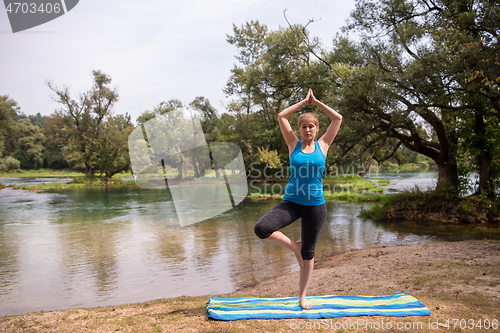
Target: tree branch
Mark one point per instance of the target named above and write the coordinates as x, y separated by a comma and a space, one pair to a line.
305, 39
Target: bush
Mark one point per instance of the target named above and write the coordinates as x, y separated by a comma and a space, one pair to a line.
9, 163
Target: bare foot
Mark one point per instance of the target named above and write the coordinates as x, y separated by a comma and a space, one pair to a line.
305, 304
296, 248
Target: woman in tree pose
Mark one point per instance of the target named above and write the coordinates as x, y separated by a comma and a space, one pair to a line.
303, 196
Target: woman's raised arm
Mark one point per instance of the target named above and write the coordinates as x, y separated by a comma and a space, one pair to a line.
326, 140
286, 129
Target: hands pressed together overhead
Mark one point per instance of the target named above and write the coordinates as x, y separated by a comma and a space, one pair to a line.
310, 99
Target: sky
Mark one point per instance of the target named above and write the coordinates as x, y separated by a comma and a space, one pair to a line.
153, 51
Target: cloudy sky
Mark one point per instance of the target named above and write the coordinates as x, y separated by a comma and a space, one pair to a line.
153, 50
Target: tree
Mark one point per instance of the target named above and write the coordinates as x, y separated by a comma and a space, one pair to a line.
415, 67
210, 123
470, 30
277, 69
57, 135
29, 145
166, 135
38, 120
112, 148
8, 110
85, 119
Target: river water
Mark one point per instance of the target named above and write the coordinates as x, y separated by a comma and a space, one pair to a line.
93, 247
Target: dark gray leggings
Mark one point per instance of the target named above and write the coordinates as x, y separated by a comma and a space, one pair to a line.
287, 212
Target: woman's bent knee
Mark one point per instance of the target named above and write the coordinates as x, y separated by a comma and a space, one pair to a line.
307, 254
261, 231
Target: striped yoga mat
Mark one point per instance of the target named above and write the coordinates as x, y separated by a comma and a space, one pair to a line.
397, 305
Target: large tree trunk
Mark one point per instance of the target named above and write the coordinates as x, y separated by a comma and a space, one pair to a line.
89, 171
447, 160
193, 162
444, 153
447, 175
484, 157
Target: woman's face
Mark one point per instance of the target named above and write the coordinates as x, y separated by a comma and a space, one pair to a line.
308, 129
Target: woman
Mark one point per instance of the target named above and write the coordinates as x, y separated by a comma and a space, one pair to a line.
304, 196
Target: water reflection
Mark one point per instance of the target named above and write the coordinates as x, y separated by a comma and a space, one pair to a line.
83, 251
405, 180
103, 246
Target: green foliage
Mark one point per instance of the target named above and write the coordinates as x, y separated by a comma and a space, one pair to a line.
409, 200
439, 206
9, 163
92, 179
351, 184
421, 78
472, 146
384, 182
175, 127
8, 110
352, 197
112, 146
270, 158
89, 125
420, 86
44, 173
8, 133
56, 134
29, 146
77, 182
276, 68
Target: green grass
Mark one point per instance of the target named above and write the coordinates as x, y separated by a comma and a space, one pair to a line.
42, 173
264, 196
77, 182
79, 179
46, 186
344, 188
53, 173
419, 203
351, 188
352, 196
407, 166
408, 199
384, 182
94, 179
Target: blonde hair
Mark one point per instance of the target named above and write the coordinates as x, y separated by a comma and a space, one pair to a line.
310, 115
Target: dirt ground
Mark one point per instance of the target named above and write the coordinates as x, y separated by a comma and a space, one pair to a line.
458, 281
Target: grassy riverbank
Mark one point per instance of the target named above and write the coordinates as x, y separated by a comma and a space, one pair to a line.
77, 182
433, 207
458, 281
52, 173
345, 188
79, 179
42, 173
342, 188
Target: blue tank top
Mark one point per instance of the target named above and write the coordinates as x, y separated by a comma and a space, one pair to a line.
305, 185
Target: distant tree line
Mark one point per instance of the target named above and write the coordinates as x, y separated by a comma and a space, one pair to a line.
418, 83
83, 134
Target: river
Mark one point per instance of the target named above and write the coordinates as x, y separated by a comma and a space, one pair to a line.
103, 246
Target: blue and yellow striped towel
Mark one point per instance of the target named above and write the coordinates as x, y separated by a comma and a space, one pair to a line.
397, 305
